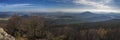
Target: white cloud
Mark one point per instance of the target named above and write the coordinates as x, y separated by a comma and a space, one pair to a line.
17, 5
91, 10
98, 5
72, 10
13, 5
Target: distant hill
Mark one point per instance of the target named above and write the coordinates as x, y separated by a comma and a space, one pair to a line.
4, 14
82, 17
65, 18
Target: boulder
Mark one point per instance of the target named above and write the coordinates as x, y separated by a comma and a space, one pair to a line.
5, 36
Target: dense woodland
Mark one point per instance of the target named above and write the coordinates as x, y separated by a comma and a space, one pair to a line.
40, 28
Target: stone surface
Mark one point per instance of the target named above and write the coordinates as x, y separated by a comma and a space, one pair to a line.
5, 36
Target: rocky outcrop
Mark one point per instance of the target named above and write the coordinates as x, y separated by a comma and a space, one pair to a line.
5, 36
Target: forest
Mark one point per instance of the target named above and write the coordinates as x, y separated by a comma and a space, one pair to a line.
40, 28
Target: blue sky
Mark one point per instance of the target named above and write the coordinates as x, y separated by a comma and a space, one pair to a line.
60, 5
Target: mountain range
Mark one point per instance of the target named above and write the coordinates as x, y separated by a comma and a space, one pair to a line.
82, 17
63, 17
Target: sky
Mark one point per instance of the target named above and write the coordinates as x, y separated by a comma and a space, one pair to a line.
60, 5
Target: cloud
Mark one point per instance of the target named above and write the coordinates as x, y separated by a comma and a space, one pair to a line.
71, 10
98, 5
17, 5
13, 5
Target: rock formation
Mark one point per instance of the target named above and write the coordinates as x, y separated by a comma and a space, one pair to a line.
5, 36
